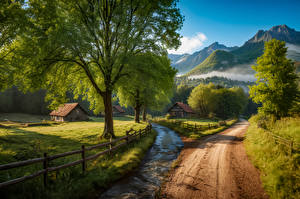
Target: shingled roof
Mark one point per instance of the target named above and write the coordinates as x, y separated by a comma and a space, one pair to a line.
185, 107
65, 109
119, 108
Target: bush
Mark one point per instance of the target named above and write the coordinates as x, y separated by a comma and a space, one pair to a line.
168, 116
222, 123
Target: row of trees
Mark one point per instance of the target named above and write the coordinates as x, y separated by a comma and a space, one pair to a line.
93, 48
209, 100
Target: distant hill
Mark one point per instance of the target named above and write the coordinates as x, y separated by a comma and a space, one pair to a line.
186, 62
218, 60
246, 55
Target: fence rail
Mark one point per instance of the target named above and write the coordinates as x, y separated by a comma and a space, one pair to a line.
194, 127
290, 144
131, 135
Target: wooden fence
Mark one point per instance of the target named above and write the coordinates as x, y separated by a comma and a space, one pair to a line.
290, 144
111, 146
194, 127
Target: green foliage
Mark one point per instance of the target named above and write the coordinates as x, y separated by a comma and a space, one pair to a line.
78, 46
225, 82
279, 170
85, 47
149, 83
213, 100
12, 20
276, 86
182, 93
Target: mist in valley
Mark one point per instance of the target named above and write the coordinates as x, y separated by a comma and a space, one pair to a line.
242, 72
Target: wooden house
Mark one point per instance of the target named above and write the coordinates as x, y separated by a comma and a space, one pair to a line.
69, 112
118, 111
180, 109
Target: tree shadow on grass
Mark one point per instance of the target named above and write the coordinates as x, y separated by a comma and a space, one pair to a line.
22, 144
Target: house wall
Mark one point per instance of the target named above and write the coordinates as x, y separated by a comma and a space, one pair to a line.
76, 115
177, 111
57, 118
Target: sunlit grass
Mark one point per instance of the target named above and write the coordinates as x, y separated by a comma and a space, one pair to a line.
22, 143
280, 170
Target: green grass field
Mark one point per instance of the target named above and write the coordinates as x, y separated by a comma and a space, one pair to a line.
21, 143
280, 170
199, 121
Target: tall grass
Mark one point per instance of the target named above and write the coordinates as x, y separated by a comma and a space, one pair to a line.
280, 170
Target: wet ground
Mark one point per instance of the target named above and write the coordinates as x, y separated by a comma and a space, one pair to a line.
146, 180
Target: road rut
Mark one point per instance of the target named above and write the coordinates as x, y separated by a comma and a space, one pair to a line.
215, 167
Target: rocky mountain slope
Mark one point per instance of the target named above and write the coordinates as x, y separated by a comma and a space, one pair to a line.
186, 62
245, 56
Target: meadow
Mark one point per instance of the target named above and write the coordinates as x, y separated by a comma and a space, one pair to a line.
18, 142
280, 171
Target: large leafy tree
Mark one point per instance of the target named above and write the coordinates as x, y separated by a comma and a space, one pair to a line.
276, 85
12, 22
201, 99
85, 45
149, 84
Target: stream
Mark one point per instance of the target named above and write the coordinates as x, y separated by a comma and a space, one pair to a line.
145, 181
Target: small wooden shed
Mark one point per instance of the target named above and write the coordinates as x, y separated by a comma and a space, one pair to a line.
180, 109
118, 111
69, 112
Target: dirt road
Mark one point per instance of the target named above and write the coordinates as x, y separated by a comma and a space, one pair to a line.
215, 167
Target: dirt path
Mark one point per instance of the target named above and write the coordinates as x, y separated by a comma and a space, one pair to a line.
215, 167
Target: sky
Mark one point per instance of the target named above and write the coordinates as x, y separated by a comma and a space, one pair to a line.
231, 22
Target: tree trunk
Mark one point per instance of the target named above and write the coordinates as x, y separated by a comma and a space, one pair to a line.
137, 108
144, 113
108, 125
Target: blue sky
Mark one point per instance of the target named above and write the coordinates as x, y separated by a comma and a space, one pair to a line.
232, 22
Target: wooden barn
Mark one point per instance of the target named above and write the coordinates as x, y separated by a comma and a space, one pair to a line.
180, 109
118, 111
69, 112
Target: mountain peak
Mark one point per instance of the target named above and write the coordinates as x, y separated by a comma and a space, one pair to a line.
280, 32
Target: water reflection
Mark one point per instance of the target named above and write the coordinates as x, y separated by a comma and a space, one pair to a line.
147, 178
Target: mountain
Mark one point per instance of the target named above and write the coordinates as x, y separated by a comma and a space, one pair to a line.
218, 60
246, 55
281, 32
184, 63
254, 47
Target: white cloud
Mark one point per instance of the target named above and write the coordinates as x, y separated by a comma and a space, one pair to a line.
189, 44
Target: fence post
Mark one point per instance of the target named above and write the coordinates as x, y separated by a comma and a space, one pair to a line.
140, 132
127, 137
83, 158
208, 125
291, 147
45, 166
110, 145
